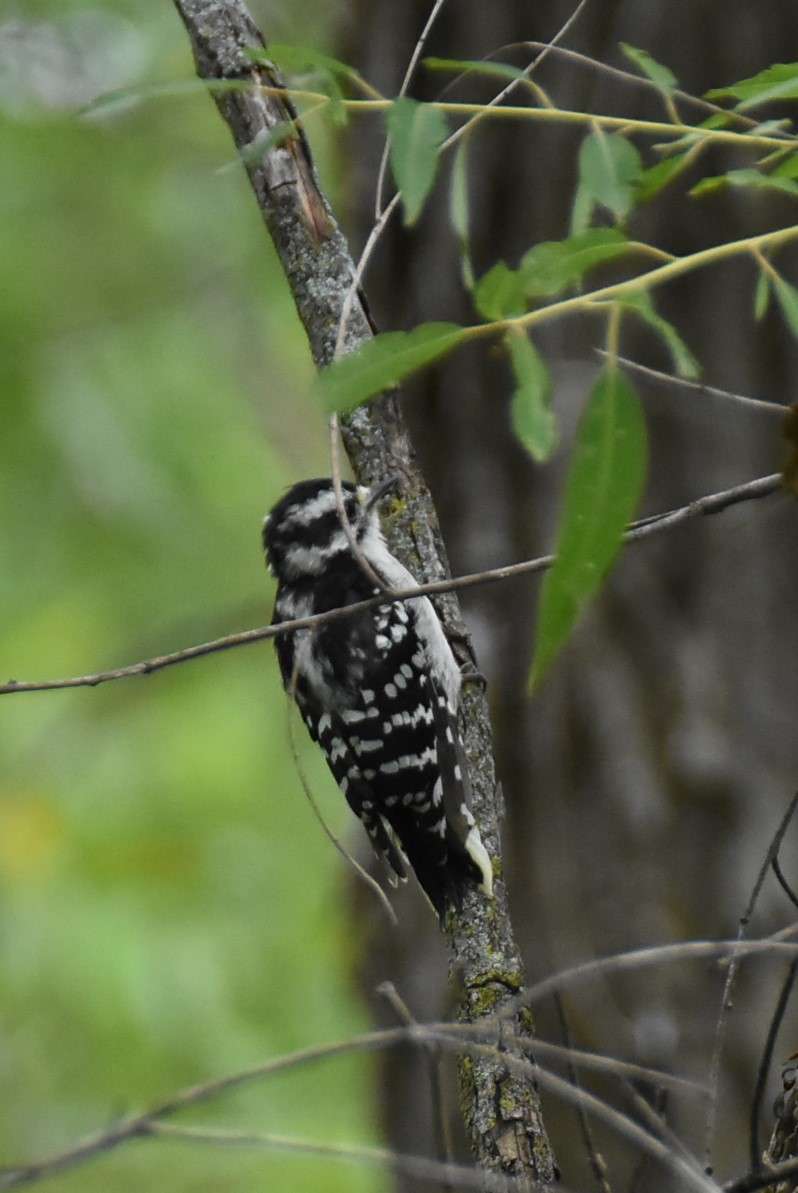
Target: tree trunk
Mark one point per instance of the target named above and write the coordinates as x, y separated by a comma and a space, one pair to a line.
502, 1112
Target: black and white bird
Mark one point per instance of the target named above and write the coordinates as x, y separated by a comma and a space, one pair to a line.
378, 691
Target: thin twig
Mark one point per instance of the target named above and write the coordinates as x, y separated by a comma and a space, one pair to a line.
596, 1160
460, 1036
725, 1003
411, 68
361, 872
658, 1125
764, 1065
772, 1175
621, 1123
690, 950
455, 1037
465, 128
595, 1061
454, 1175
346, 525
433, 1056
697, 386
783, 883
713, 503
627, 76
677, 134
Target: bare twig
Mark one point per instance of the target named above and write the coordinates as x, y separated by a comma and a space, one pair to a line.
691, 1176
765, 1062
382, 220
728, 986
619, 1122
433, 1055
362, 873
418, 50
595, 1061
713, 503
135, 1126
626, 76
597, 1161
772, 1175
698, 386
453, 1175
346, 525
450, 1036
690, 950
658, 1125
783, 883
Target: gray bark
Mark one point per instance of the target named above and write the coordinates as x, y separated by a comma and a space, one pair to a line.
502, 1112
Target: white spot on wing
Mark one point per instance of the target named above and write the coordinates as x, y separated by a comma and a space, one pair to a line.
369, 746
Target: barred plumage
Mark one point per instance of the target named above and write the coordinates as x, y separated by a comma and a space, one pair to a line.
378, 690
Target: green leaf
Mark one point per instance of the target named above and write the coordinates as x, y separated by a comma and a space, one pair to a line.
124, 98
716, 120
779, 125
459, 211
660, 76
708, 186
532, 419
256, 151
684, 362
298, 59
551, 266
604, 485
383, 362
609, 168
747, 177
654, 178
775, 82
301, 59
493, 70
499, 293
787, 296
416, 131
787, 167
582, 210
761, 295
458, 196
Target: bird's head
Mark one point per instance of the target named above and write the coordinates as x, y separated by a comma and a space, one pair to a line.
303, 533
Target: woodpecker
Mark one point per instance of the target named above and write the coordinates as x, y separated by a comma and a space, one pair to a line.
378, 690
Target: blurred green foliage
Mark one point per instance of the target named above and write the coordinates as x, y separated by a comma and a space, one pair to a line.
169, 911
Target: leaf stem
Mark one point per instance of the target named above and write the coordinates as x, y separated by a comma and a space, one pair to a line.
644, 281
555, 116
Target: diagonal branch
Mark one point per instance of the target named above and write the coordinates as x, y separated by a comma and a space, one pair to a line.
505, 1124
712, 503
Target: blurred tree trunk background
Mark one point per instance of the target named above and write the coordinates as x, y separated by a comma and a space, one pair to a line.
645, 780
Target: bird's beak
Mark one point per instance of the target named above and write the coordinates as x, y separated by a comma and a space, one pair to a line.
377, 492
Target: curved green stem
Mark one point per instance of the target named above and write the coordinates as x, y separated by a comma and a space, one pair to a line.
644, 281
559, 116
